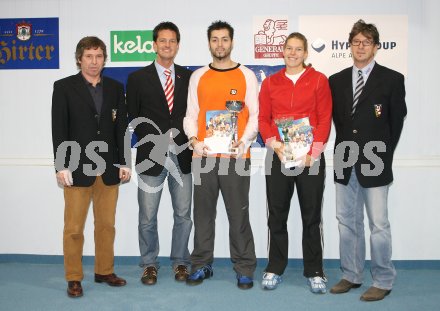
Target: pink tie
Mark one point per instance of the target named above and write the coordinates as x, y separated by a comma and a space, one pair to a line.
169, 89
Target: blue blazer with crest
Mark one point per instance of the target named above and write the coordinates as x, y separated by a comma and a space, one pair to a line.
379, 117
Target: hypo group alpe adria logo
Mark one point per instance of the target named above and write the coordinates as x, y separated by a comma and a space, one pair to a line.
340, 47
132, 46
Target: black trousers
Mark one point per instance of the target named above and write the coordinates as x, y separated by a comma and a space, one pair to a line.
231, 177
280, 185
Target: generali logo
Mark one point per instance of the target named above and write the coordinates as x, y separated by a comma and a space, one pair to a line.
270, 33
132, 46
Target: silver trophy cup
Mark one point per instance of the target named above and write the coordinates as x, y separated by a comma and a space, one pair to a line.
234, 107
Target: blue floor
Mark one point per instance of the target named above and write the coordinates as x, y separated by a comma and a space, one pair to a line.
31, 286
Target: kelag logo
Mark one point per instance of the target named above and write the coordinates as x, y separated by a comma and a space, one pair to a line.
132, 46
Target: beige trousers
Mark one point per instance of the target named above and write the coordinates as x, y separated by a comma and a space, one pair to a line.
77, 202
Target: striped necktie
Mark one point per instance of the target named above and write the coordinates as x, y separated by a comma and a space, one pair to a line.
357, 91
169, 89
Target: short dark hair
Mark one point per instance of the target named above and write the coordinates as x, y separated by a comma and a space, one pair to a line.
368, 30
166, 26
217, 25
86, 43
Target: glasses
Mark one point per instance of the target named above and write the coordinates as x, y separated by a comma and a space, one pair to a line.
364, 42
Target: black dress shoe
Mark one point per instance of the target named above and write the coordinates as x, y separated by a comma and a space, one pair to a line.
74, 289
110, 279
181, 273
149, 277
343, 286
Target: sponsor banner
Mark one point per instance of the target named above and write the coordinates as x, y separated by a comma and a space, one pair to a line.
270, 33
132, 46
329, 50
29, 43
263, 71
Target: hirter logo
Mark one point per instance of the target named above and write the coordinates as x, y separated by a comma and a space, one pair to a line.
24, 31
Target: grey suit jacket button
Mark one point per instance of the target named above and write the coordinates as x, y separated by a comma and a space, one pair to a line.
355, 131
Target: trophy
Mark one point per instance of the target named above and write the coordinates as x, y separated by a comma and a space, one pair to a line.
234, 107
297, 137
289, 154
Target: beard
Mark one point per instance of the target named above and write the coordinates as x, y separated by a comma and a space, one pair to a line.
220, 55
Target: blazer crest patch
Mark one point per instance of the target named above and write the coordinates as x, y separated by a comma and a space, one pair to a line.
378, 110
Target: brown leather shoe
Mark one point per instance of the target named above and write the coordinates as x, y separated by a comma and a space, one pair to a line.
374, 294
74, 289
110, 279
181, 273
343, 286
149, 277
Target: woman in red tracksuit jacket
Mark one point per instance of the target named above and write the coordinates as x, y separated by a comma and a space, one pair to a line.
295, 108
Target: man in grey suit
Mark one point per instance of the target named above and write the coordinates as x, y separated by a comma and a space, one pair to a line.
368, 112
156, 98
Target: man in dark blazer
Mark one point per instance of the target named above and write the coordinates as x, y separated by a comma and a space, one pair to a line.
89, 121
156, 98
368, 112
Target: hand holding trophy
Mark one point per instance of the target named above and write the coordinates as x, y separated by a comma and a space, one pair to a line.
297, 137
234, 107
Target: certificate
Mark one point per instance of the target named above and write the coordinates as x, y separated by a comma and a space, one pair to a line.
219, 132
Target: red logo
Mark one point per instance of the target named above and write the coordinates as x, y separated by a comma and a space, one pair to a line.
269, 41
24, 31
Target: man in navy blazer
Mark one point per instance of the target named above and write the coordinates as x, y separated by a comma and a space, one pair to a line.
156, 98
89, 121
368, 112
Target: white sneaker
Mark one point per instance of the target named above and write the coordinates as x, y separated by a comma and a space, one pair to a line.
317, 285
271, 280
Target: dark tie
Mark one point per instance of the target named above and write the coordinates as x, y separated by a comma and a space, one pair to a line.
169, 89
357, 91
